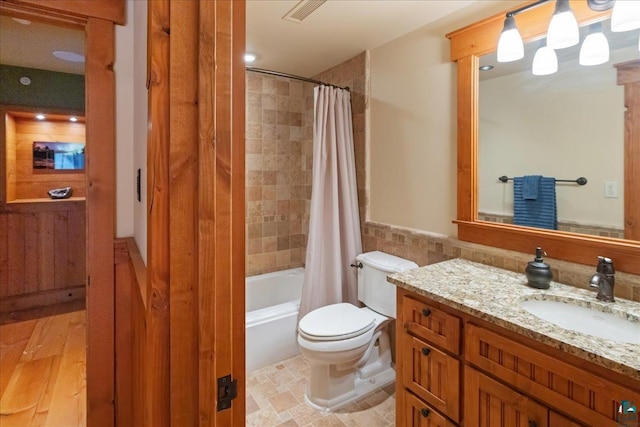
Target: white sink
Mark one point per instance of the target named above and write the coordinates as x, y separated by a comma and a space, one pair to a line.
589, 321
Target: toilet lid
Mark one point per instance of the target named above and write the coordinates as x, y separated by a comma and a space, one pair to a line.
336, 321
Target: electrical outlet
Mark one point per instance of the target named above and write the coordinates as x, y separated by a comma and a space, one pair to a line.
611, 189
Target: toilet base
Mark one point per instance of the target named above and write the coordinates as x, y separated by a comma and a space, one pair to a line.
362, 388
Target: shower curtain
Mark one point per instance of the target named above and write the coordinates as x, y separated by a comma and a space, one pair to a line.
334, 222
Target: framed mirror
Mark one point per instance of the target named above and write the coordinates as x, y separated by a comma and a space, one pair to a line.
468, 47
567, 126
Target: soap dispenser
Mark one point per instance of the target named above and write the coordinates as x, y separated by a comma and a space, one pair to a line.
539, 273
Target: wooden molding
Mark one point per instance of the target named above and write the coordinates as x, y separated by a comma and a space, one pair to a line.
41, 299
110, 10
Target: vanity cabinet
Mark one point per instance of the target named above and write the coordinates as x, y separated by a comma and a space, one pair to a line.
454, 369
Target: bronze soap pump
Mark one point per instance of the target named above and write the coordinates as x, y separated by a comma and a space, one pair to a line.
538, 272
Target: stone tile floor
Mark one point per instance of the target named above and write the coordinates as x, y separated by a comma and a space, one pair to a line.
275, 398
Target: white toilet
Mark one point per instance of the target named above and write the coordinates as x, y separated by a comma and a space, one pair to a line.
348, 347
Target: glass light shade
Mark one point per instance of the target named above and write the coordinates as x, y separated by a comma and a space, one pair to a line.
625, 15
563, 29
545, 61
594, 50
510, 46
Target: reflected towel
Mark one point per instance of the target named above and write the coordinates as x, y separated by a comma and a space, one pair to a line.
540, 213
530, 185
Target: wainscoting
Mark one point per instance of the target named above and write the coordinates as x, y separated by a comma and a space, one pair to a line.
42, 254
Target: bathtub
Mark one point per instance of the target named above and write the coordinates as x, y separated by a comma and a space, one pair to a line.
272, 304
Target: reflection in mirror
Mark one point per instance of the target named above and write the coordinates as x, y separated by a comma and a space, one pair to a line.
566, 125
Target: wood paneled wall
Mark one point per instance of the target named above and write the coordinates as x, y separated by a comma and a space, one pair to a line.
42, 248
34, 184
131, 343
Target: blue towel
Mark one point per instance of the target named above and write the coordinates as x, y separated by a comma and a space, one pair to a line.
530, 184
541, 212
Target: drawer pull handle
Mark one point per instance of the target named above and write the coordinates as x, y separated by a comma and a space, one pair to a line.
425, 412
426, 351
426, 312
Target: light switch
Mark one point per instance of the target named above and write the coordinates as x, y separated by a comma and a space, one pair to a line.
611, 189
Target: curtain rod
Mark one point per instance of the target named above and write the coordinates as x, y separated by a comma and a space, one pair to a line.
291, 76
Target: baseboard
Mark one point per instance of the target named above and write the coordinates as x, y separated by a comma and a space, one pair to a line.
41, 299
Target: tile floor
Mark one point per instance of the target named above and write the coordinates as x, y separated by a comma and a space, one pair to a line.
275, 398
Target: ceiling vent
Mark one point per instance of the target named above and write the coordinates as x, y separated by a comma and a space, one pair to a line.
303, 9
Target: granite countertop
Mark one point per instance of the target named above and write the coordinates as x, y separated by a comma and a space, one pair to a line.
493, 294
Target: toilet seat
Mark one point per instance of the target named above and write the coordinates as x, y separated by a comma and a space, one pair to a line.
336, 322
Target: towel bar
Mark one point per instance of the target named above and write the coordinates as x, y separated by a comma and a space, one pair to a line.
580, 181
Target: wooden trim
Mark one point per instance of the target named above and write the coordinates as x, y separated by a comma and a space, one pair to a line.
482, 37
183, 211
110, 10
221, 207
467, 44
124, 294
41, 299
41, 205
157, 401
628, 74
100, 134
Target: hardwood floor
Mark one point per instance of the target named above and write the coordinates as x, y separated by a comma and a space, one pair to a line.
43, 372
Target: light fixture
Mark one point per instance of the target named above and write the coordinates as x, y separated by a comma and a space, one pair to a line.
625, 15
563, 29
510, 46
40, 116
545, 61
486, 67
68, 56
73, 119
595, 47
249, 57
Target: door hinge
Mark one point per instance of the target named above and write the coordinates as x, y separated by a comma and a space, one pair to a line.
227, 391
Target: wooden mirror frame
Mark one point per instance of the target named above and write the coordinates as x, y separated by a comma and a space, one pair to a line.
467, 45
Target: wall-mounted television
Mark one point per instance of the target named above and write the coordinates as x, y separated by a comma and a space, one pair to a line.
58, 156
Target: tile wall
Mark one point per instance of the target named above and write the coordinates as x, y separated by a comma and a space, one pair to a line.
278, 174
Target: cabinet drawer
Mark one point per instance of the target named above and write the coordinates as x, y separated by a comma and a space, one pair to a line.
488, 403
590, 399
419, 414
431, 324
432, 375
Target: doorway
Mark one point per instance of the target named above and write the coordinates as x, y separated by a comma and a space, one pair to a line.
96, 20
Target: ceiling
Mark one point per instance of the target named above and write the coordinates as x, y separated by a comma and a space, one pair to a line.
32, 46
338, 30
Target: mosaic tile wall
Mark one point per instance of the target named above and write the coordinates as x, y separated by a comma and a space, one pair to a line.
278, 182
426, 248
279, 160
572, 227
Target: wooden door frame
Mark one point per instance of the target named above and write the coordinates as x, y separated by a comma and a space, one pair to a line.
98, 18
196, 221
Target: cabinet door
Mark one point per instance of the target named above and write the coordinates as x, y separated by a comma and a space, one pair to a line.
491, 404
432, 375
419, 414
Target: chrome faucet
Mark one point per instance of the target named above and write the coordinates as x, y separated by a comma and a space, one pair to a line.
604, 279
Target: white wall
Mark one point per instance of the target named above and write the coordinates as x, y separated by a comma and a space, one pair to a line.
125, 181
560, 126
413, 125
131, 123
140, 129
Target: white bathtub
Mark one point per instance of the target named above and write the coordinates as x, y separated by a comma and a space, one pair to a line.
272, 304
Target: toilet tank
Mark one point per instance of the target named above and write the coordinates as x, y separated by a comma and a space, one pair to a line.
373, 289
